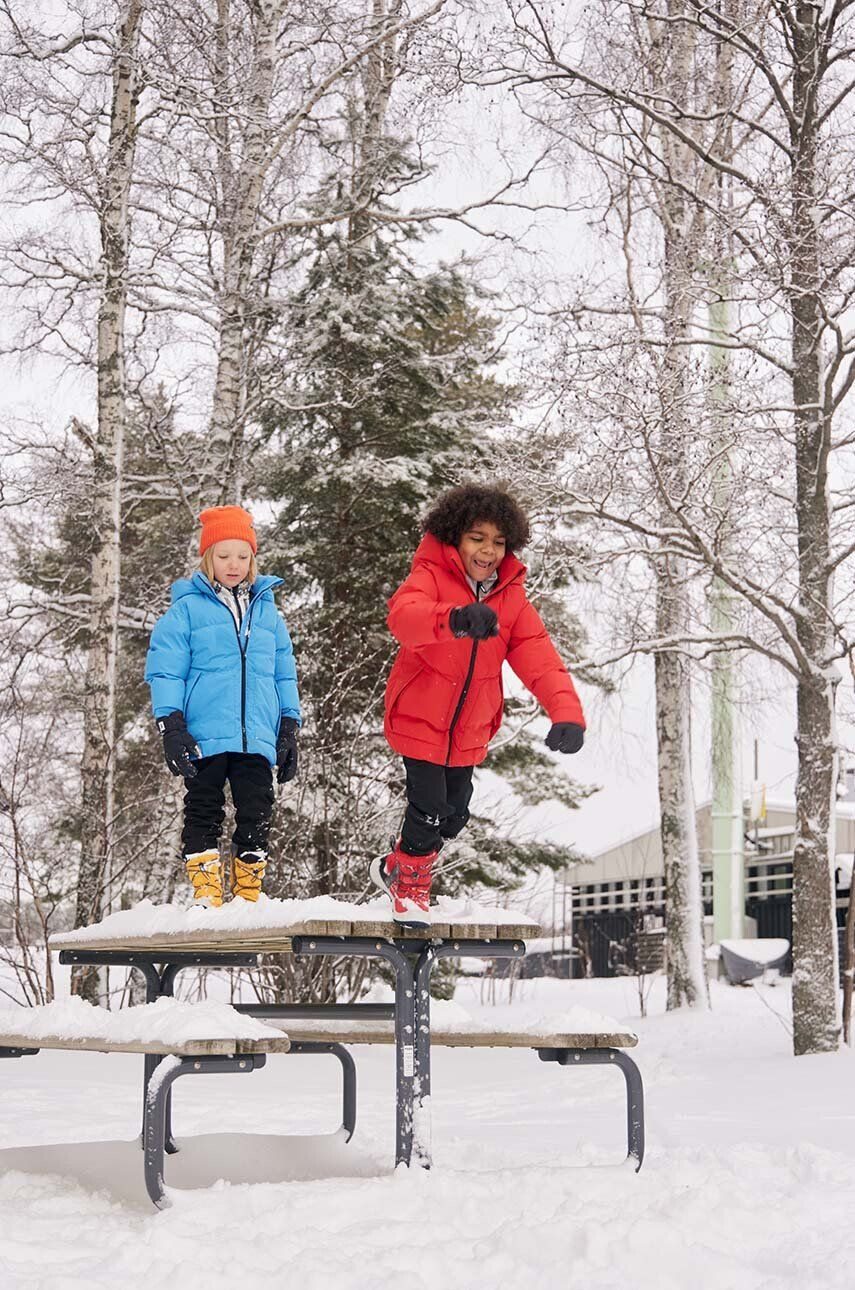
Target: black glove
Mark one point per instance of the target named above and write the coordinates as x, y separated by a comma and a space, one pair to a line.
476, 620
178, 745
286, 750
565, 737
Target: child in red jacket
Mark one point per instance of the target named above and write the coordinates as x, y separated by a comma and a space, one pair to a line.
459, 614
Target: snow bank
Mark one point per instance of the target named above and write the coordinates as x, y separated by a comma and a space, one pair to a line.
148, 920
168, 1021
748, 1181
453, 1017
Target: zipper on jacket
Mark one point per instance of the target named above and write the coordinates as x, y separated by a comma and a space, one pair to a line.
242, 650
468, 680
460, 702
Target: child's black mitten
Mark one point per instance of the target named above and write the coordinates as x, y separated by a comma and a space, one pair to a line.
476, 620
565, 737
179, 746
286, 750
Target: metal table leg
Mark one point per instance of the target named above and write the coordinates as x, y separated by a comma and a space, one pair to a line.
634, 1087
157, 983
421, 1110
429, 955
157, 1101
404, 1019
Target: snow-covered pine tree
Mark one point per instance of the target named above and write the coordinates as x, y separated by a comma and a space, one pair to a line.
391, 401
393, 398
50, 556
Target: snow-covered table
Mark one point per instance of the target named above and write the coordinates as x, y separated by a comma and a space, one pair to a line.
161, 941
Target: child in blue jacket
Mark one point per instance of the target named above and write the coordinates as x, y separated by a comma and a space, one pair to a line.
224, 693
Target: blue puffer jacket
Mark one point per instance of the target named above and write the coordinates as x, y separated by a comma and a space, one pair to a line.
233, 689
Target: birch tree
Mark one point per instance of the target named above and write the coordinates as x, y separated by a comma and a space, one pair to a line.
36, 60
233, 182
790, 176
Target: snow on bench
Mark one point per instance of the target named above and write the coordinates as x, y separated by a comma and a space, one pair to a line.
168, 1027
453, 1027
270, 924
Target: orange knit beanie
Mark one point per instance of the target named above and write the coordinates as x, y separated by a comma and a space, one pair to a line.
220, 523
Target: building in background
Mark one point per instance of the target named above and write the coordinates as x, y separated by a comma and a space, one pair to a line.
616, 901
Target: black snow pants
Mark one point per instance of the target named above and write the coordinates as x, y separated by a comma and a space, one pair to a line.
437, 805
251, 778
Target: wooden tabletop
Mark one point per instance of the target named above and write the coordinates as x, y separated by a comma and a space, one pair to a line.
278, 938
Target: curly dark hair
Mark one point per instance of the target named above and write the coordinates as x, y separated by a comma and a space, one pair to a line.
457, 510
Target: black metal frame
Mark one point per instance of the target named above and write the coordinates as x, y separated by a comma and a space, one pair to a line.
634, 1087
412, 960
157, 1104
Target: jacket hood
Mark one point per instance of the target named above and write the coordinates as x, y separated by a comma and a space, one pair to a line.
431, 551
199, 585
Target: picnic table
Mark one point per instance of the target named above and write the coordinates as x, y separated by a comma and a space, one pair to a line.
169, 941
162, 941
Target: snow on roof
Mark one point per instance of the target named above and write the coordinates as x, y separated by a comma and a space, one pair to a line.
843, 809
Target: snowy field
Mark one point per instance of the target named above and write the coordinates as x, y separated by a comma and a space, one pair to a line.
749, 1181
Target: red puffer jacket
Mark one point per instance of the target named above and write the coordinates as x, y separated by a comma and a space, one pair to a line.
444, 694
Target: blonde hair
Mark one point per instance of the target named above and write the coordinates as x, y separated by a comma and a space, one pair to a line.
206, 565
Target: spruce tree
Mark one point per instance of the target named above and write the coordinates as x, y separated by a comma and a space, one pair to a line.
393, 397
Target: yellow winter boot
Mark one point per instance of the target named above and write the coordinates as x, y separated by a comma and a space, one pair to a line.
206, 874
247, 873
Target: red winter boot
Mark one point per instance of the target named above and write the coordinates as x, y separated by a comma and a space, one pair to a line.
406, 881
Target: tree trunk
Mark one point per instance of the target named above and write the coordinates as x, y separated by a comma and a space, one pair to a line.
687, 980
240, 188
687, 985
99, 711
849, 965
816, 1021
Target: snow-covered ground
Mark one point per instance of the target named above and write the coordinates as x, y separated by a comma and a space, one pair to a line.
748, 1184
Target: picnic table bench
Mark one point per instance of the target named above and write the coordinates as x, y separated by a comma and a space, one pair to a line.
172, 940
230, 1044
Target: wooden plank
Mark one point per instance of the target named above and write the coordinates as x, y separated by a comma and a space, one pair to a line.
382, 1032
473, 932
190, 1048
387, 930
276, 939
503, 1039
516, 932
162, 950
193, 940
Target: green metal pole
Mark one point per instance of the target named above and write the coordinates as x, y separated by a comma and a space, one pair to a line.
728, 865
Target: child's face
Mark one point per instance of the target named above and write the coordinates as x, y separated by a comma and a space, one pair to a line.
231, 561
482, 549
